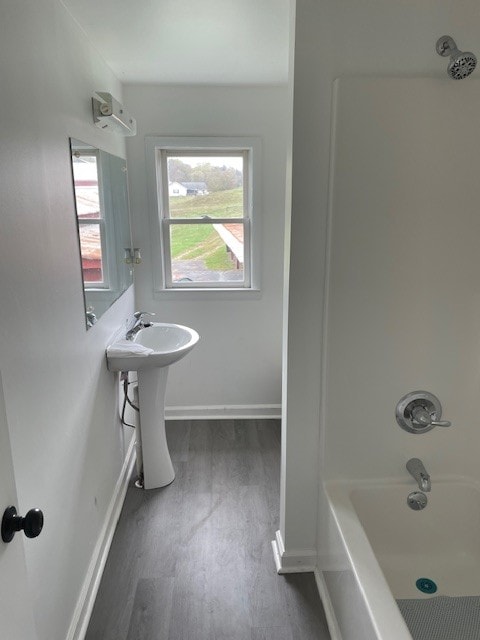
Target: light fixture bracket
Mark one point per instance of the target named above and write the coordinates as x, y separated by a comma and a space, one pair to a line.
110, 115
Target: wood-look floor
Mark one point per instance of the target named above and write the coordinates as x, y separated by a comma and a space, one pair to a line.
193, 561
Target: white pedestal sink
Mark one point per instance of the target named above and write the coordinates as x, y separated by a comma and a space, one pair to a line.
170, 343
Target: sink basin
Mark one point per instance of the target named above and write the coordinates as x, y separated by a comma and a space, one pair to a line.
169, 342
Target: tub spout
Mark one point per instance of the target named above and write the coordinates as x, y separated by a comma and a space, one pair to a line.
416, 468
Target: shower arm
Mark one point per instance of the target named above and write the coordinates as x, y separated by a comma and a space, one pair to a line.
447, 46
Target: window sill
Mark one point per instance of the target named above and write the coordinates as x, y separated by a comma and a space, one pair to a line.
229, 293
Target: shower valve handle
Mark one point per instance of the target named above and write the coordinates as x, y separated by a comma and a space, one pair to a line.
441, 423
422, 415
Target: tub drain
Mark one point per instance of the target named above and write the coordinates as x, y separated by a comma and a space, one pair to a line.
425, 585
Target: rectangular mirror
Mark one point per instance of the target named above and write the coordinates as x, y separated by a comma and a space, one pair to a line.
103, 221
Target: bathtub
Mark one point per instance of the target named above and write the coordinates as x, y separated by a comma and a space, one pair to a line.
390, 546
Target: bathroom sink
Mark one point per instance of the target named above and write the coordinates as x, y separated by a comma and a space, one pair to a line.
150, 353
169, 342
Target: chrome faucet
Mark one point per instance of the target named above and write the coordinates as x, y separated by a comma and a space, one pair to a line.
138, 323
91, 318
417, 469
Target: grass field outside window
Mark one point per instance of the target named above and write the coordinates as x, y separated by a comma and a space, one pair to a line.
202, 242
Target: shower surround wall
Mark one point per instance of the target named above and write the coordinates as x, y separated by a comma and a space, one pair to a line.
404, 281
404, 286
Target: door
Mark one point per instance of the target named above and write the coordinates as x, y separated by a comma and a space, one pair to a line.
16, 612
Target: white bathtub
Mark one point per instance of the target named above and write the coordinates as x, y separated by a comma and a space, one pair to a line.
390, 546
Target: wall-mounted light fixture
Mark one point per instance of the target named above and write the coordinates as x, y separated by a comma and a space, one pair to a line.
110, 115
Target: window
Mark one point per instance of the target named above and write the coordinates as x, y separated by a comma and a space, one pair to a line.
206, 213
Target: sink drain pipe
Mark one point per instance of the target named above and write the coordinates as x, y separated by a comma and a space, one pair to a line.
138, 438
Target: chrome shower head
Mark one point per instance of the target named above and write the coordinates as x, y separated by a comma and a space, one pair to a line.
462, 63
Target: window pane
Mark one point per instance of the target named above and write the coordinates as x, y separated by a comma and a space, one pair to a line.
91, 251
207, 252
85, 178
200, 186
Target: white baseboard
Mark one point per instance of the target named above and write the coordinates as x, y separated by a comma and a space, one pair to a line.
294, 560
228, 412
327, 606
86, 600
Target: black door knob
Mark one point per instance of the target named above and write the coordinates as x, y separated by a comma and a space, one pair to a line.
32, 523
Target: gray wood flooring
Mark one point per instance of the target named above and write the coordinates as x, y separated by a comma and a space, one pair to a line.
193, 561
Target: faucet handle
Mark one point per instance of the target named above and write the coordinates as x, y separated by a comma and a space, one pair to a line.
424, 418
140, 314
441, 423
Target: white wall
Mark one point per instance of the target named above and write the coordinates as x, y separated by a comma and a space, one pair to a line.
300, 469
238, 360
67, 444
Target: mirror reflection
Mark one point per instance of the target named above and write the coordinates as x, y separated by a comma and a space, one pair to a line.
101, 201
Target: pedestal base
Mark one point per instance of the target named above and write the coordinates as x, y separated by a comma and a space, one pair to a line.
157, 465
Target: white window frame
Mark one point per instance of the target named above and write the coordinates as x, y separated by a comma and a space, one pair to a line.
158, 148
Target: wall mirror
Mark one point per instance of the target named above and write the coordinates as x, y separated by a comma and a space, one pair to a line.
103, 221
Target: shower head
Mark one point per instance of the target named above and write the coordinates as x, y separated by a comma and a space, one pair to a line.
461, 64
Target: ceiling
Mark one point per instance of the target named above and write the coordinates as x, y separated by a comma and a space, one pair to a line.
188, 41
